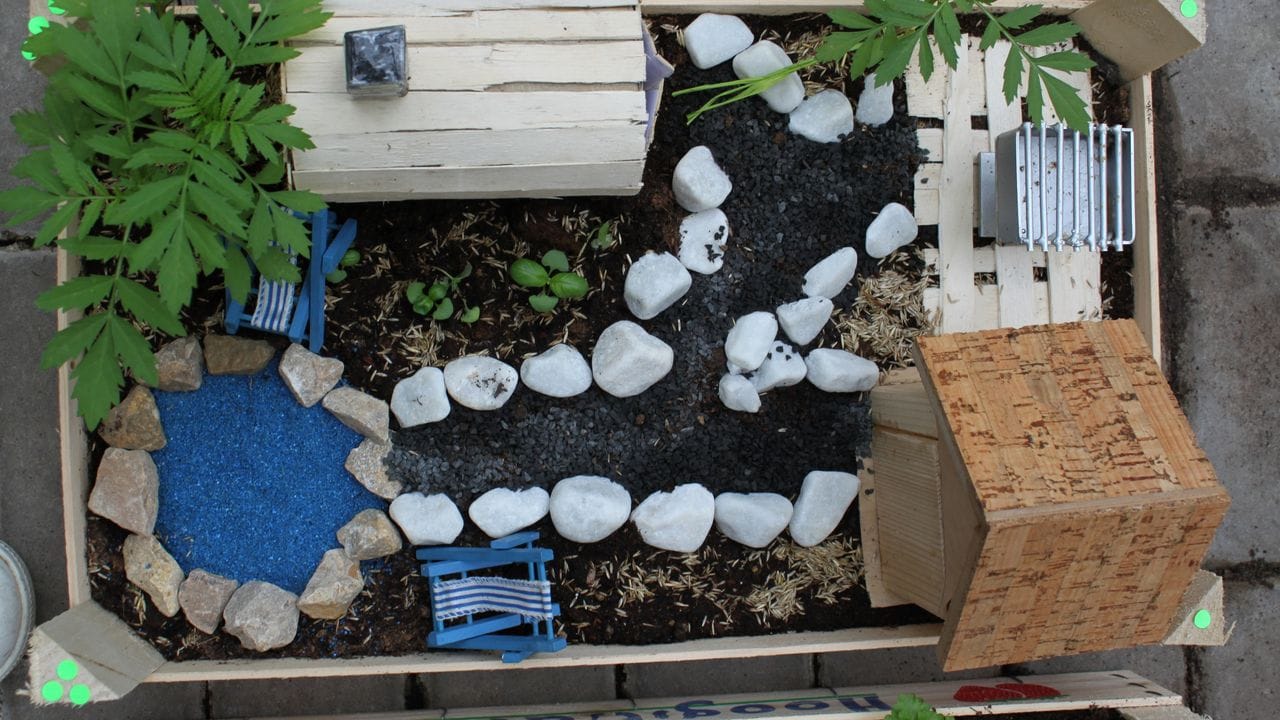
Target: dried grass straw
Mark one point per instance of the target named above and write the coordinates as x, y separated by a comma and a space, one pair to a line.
889, 313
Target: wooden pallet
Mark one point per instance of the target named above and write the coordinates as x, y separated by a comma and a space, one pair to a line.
979, 287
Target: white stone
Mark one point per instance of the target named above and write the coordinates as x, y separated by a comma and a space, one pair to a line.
875, 104
678, 520
753, 519
627, 360
782, 367
308, 375
893, 228
588, 508
480, 382
802, 320
420, 398
560, 372
824, 498
363, 413
766, 57
698, 182
711, 39
262, 616
750, 338
654, 283
832, 273
702, 239
501, 512
738, 393
841, 371
825, 118
427, 519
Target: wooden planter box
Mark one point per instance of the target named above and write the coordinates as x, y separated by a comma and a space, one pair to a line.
128, 669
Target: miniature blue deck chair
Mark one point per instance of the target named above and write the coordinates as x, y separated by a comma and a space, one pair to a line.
299, 315
506, 603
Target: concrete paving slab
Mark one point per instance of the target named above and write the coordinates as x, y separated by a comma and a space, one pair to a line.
180, 701
1223, 338
722, 677
21, 87
31, 503
888, 667
307, 696
518, 686
1224, 101
1241, 680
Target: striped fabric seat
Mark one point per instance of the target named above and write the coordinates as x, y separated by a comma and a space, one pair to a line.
459, 598
274, 308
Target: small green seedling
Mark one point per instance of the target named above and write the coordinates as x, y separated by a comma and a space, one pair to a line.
435, 302
564, 284
913, 707
349, 259
604, 238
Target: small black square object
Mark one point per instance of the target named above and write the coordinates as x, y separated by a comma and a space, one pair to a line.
377, 62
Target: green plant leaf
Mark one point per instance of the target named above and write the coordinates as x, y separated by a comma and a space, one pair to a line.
438, 291
98, 380
133, 350
145, 305
337, 275
224, 34
543, 302
603, 239
527, 273
1066, 61
926, 60
236, 273
76, 294
443, 310
1012, 75
57, 222
72, 340
1018, 17
414, 293
466, 273
470, 315
852, 19
1035, 99
555, 260
177, 275
948, 34
896, 58
423, 305
1067, 103
147, 202
349, 258
570, 286
990, 36
26, 202
94, 247
302, 201
1048, 34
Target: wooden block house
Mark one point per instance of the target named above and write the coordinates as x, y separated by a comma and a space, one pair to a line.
507, 98
1041, 491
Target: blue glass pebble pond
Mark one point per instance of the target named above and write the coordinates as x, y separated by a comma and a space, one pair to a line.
252, 484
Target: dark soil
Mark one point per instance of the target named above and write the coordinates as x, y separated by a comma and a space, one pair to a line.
1093, 713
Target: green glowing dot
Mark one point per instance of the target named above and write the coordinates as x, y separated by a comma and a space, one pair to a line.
1203, 619
51, 691
67, 669
53, 8
29, 56
37, 24
1190, 8
79, 694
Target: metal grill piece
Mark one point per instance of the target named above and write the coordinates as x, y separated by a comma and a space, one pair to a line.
1056, 188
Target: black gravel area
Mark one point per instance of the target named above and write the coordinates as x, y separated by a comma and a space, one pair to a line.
794, 202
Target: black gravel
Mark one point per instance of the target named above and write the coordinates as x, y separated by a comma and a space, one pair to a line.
793, 203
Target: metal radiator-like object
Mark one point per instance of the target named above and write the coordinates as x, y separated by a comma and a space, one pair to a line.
1056, 188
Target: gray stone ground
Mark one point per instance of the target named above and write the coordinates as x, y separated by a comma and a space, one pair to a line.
1220, 160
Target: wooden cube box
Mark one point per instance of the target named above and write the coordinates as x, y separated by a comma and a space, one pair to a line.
1041, 491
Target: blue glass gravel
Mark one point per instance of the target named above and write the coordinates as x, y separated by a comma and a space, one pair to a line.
252, 484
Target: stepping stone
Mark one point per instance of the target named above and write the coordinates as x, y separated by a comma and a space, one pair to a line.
588, 508
803, 320
501, 511
766, 57
712, 39
654, 283
824, 498
480, 382
893, 228
427, 519
839, 371
678, 520
753, 519
823, 118
560, 372
698, 182
627, 360
749, 340
703, 236
420, 398
830, 276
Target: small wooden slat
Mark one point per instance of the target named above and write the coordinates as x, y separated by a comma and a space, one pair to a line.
870, 535
909, 517
984, 260
492, 26
483, 66
784, 7
469, 148
927, 98
955, 213
427, 8
73, 446
928, 182
495, 181
417, 112
904, 407
1146, 246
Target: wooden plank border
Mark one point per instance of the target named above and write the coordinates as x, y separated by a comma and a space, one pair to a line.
784, 7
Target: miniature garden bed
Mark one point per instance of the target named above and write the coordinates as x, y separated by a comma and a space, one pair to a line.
376, 338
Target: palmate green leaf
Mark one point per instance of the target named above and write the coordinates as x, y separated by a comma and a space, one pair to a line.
1019, 17
87, 55
95, 247
1066, 61
133, 350
1067, 103
236, 273
116, 23
897, 57
72, 340
76, 294
290, 232
145, 304
274, 265
147, 201
836, 45
1048, 34
224, 34
852, 19
302, 201
177, 275
98, 380
1012, 75
60, 220
26, 202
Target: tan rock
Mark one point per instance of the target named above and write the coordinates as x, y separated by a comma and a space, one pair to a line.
262, 616
149, 566
363, 413
370, 534
134, 424
335, 583
227, 355
127, 490
180, 366
365, 463
307, 375
203, 596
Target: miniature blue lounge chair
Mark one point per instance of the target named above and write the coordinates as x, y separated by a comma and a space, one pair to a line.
504, 603
297, 311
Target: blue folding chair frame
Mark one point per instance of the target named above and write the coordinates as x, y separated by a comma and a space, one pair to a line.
482, 634
328, 245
